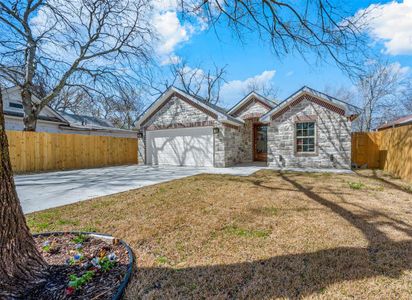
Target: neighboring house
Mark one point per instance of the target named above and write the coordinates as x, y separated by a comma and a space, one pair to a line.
308, 129
403, 121
52, 121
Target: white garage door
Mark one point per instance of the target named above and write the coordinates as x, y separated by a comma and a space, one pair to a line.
180, 147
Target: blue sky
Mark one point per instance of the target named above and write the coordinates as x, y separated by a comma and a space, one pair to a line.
390, 33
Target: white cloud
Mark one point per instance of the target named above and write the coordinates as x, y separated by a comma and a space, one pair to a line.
397, 68
171, 32
391, 24
232, 91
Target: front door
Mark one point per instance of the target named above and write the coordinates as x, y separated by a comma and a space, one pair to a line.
260, 142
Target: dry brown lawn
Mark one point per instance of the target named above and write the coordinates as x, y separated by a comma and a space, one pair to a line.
269, 235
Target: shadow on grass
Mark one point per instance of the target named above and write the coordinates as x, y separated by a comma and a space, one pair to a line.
376, 176
291, 276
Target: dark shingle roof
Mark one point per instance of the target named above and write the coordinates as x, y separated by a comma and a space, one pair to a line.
86, 121
405, 120
40, 117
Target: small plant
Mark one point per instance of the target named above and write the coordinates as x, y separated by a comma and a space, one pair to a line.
50, 247
79, 239
77, 282
105, 263
78, 257
46, 246
356, 185
161, 260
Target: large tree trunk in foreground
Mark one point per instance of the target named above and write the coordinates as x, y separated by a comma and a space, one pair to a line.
21, 265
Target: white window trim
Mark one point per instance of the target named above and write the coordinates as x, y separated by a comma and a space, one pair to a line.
315, 148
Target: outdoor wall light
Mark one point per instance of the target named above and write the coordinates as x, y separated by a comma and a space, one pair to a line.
216, 130
332, 158
139, 135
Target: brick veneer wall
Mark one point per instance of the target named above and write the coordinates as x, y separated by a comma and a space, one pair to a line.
333, 138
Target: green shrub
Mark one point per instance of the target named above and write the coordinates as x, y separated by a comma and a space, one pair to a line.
356, 185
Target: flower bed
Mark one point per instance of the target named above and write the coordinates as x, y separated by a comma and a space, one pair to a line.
83, 266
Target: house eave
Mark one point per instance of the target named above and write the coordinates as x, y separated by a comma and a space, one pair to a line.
245, 99
305, 91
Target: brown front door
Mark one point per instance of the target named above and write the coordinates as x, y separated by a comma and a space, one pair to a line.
260, 142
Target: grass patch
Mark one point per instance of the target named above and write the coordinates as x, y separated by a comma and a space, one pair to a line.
266, 211
161, 260
242, 232
67, 222
356, 185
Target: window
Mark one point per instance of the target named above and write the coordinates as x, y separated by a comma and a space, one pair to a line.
305, 137
15, 105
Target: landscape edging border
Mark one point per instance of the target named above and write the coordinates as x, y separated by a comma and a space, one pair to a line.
125, 281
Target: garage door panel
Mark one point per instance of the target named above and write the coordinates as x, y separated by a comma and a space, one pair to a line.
183, 147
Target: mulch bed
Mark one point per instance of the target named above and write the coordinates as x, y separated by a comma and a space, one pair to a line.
102, 262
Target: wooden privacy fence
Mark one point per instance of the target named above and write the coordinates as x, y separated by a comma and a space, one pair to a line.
41, 151
389, 150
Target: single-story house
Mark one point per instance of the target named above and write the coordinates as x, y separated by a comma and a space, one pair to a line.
308, 129
403, 121
53, 121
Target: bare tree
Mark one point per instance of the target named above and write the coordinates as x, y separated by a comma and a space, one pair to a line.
86, 43
319, 27
124, 108
75, 100
196, 81
121, 107
266, 89
406, 95
379, 92
382, 93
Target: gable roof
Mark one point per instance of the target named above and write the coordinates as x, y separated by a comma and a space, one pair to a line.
249, 97
213, 110
56, 116
332, 103
405, 120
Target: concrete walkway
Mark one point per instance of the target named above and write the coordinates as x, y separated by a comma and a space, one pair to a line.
45, 190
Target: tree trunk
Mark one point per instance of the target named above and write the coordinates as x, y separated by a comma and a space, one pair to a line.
30, 110
21, 265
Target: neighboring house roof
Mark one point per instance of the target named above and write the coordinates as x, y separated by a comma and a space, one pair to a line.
250, 97
320, 98
68, 120
217, 112
81, 122
86, 120
405, 120
43, 118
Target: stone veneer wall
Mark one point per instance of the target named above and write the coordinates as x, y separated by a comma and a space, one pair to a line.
254, 108
141, 150
233, 145
333, 138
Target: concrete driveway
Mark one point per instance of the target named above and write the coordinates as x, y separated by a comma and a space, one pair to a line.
46, 190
